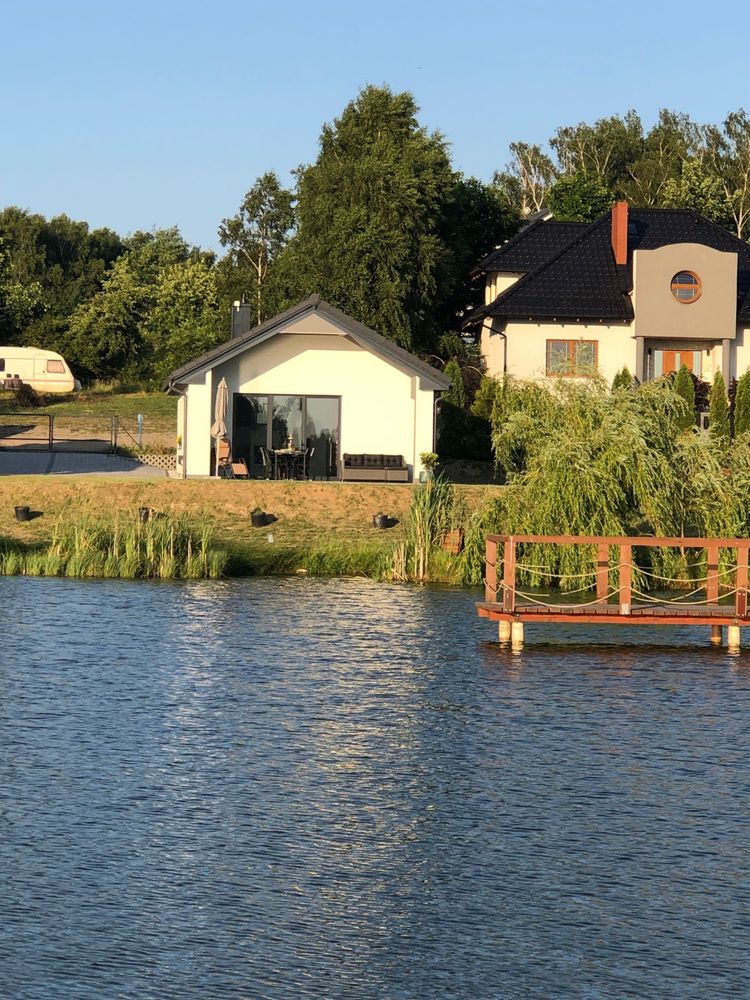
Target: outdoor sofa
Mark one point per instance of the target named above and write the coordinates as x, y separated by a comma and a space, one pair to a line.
375, 468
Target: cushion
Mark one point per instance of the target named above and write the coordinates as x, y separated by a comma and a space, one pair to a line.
354, 461
373, 461
393, 461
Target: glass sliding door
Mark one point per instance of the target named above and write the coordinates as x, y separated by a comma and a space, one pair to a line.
322, 436
250, 431
287, 421
312, 423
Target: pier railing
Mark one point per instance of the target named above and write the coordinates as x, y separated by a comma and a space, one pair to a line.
502, 591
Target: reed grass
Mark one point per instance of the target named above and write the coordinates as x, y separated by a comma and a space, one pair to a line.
435, 510
331, 558
124, 547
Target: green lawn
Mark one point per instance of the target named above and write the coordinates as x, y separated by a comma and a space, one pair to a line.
159, 409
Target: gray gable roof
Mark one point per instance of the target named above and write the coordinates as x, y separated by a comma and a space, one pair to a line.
358, 332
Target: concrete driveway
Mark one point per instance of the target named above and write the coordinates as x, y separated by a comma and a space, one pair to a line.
45, 463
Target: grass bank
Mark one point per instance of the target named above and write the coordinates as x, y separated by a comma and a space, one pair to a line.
320, 528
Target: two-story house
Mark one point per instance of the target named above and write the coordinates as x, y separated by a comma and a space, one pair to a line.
646, 289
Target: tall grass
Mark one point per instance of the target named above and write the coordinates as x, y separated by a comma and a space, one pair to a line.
435, 510
325, 558
92, 546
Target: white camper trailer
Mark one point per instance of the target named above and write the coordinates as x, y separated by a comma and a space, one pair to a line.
44, 371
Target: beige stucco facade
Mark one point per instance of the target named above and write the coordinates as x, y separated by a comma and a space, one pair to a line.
659, 314
520, 348
384, 408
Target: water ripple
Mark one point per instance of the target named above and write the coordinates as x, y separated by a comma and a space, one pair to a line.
335, 789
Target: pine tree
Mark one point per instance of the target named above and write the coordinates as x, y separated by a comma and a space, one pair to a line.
622, 380
718, 410
684, 387
457, 393
742, 405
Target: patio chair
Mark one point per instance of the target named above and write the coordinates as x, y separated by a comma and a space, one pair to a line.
267, 462
239, 469
223, 458
305, 462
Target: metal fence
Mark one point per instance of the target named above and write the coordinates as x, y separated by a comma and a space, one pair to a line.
46, 432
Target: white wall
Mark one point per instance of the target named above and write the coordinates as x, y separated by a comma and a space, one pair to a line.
196, 444
383, 410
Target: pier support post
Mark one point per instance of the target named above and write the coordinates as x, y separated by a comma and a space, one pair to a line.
503, 631
733, 638
716, 635
516, 635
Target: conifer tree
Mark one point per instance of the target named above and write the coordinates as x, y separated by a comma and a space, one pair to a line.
742, 405
622, 380
718, 410
684, 387
457, 393
452, 415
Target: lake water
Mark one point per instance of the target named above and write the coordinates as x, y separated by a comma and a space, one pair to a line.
336, 789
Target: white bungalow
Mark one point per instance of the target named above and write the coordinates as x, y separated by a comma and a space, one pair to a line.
320, 378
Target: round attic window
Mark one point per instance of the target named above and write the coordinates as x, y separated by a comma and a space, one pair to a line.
686, 286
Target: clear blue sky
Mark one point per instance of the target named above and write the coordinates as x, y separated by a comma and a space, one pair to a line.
142, 114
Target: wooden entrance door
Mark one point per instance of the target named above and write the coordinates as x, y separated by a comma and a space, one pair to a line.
672, 361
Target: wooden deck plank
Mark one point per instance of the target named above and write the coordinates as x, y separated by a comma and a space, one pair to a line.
711, 615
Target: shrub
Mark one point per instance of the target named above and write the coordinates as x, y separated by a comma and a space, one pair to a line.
622, 380
27, 396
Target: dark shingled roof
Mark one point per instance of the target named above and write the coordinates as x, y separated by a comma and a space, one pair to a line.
358, 332
533, 246
582, 281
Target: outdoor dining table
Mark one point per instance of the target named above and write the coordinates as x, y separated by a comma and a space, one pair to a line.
288, 457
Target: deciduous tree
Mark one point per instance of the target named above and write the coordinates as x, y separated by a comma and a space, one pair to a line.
605, 149
371, 213
525, 181
697, 188
727, 152
578, 197
258, 233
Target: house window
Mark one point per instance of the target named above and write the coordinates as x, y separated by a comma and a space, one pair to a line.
686, 286
572, 357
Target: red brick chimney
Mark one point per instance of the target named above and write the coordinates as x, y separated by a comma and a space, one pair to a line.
620, 232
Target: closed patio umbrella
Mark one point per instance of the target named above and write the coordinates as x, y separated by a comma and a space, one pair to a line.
219, 426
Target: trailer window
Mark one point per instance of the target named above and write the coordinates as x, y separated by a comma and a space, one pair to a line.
55, 366
2, 364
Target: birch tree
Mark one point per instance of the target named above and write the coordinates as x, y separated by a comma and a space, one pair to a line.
259, 231
727, 154
527, 178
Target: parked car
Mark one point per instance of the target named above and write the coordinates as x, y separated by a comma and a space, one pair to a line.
44, 371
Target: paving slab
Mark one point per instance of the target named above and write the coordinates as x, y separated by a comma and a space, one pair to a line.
69, 463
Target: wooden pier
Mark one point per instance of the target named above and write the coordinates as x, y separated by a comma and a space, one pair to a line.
618, 603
